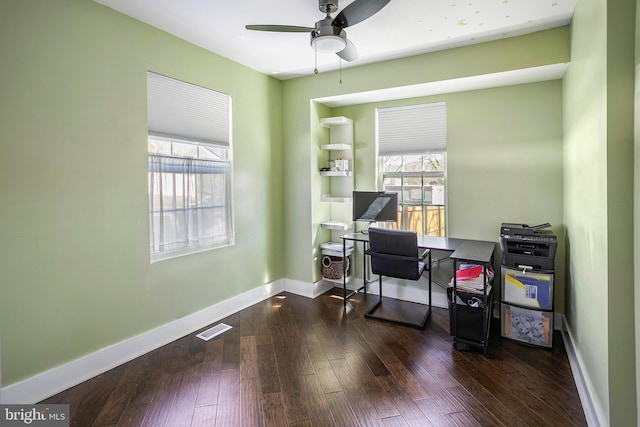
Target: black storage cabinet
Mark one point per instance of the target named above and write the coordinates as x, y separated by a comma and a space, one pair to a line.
467, 323
471, 325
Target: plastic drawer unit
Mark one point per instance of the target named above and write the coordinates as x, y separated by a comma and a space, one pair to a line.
527, 289
529, 326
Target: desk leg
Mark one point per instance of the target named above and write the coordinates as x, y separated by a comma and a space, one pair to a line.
454, 304
430, 268
344, 273
364, 267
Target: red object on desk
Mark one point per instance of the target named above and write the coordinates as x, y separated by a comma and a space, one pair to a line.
469, 273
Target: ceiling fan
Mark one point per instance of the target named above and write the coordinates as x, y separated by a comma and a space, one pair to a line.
328, 34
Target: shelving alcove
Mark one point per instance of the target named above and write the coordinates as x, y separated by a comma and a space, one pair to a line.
337, 191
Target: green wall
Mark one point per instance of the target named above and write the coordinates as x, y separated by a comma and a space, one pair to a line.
598, 188
75, 271
504, 160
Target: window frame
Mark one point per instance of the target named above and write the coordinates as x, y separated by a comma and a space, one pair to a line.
184, 113
399, 132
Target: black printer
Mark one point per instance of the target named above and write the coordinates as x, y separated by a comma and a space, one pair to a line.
524, 246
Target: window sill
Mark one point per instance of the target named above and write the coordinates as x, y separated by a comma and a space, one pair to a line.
163, 256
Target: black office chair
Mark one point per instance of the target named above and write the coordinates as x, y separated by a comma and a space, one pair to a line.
395, 253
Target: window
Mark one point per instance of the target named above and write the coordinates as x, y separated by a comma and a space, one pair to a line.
419, 182
412, 162
189, 168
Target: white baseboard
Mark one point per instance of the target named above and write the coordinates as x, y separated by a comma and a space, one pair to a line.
305, 289
595, 417
55, 380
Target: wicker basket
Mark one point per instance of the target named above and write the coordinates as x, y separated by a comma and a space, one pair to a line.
332, 267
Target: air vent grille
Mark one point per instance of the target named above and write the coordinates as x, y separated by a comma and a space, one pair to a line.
213, 332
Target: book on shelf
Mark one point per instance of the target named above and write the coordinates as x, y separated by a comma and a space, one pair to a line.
472, 290
471, 279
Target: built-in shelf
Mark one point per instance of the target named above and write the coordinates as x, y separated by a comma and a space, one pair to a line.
336, 280
336, 199
335, 247
335, 121
337, 225
335, 173
338, 189
336, 147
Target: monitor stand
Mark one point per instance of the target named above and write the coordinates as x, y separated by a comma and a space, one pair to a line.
366, 231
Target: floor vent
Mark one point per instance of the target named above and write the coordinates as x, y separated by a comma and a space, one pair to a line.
213, 332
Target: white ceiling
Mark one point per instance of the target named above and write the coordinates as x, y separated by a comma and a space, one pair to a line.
402, 28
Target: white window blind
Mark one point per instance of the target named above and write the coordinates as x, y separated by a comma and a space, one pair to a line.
184, 111
412, 129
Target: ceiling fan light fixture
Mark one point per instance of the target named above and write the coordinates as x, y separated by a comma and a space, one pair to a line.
328, 35
328, 44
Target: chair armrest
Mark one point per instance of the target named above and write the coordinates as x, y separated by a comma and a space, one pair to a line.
424, 254
395, 257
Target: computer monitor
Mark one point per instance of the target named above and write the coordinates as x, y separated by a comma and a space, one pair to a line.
375, 206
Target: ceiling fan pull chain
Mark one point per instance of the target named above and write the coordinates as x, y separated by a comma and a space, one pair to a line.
315, 50
340, 70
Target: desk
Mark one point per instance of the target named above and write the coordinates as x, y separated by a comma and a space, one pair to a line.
477, 251
446, 244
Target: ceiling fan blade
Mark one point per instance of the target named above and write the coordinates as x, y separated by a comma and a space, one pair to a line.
349, 53
279, 28
358, 11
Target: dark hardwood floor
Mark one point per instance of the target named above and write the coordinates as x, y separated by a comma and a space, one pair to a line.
294, 361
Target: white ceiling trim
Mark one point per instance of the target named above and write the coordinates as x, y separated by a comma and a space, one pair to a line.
485, 81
